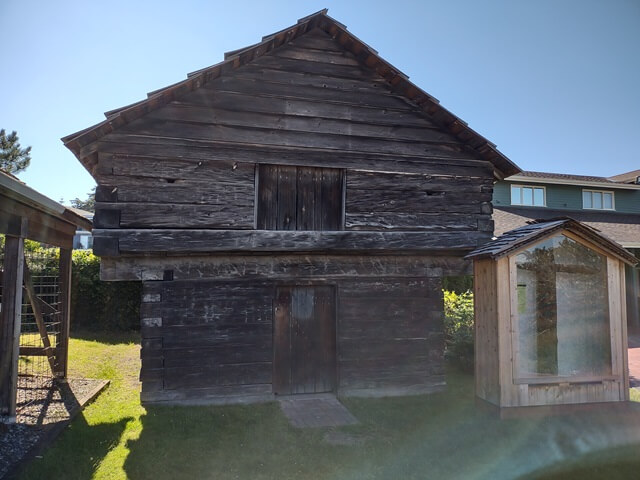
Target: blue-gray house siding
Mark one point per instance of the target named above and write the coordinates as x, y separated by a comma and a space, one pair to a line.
569, 196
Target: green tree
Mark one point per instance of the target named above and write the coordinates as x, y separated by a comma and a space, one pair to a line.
89, 204
13, 158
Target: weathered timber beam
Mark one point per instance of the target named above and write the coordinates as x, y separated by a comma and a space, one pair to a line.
39, 226
115, 242
204, 153
269, 267
36, 351
10, 321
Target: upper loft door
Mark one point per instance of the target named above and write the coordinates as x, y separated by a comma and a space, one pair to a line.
304, 340
300, 198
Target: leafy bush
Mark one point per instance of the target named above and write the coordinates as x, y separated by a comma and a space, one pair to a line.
458, 327
458, 283
98, 305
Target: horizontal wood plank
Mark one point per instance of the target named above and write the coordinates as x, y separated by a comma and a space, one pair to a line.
130, 169
366, 180
235, 214
187, 240
278, 267
282, 105
259, 136
205, 115
315, 55
312, 67
252, 72
410, 221
371, 201
159, 148
358, 98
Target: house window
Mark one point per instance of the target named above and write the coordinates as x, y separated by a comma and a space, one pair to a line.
531, 196
597, 200
300, 198
563, 311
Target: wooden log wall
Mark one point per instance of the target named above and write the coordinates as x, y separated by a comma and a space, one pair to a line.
211, 340
192, 164
390, 336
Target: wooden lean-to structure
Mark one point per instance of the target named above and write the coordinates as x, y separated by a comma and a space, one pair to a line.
27, 214
291, 212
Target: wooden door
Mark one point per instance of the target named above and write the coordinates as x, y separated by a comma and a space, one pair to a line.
304, 340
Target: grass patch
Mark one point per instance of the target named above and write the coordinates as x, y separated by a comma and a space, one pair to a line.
94, 445
436, 436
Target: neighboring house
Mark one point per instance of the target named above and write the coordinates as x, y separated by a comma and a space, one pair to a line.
611, 205
291, 212
83, 239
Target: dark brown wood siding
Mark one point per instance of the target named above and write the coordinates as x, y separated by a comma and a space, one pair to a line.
208, 335
245, 335
306, 109
390, 335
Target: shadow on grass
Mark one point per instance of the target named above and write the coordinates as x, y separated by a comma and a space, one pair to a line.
434, 436
107, 337
80, 449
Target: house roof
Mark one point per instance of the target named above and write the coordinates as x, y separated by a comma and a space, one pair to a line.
568, 179
628, 177
538, 229
623, 228
369, 57
12, 188
83, 213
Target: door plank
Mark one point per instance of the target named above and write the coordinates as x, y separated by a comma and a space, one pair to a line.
282, 342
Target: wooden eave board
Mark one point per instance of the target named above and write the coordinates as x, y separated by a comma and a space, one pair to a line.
396, 80
12, 190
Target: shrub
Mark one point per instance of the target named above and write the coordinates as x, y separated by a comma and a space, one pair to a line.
98, 305
458, 283
458, 327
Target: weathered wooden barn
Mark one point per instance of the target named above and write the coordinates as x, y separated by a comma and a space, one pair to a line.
291, 212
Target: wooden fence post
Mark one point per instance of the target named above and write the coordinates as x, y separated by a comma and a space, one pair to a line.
62, 354
10, 321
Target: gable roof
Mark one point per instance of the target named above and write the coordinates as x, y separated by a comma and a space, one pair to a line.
628, 177
368, 57
536, 230
581, 180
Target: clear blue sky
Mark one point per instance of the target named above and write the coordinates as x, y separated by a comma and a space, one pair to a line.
554, 83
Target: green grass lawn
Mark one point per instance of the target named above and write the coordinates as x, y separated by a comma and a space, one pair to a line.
437, 436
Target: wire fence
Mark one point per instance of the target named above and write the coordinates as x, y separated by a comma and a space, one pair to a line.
35, 362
